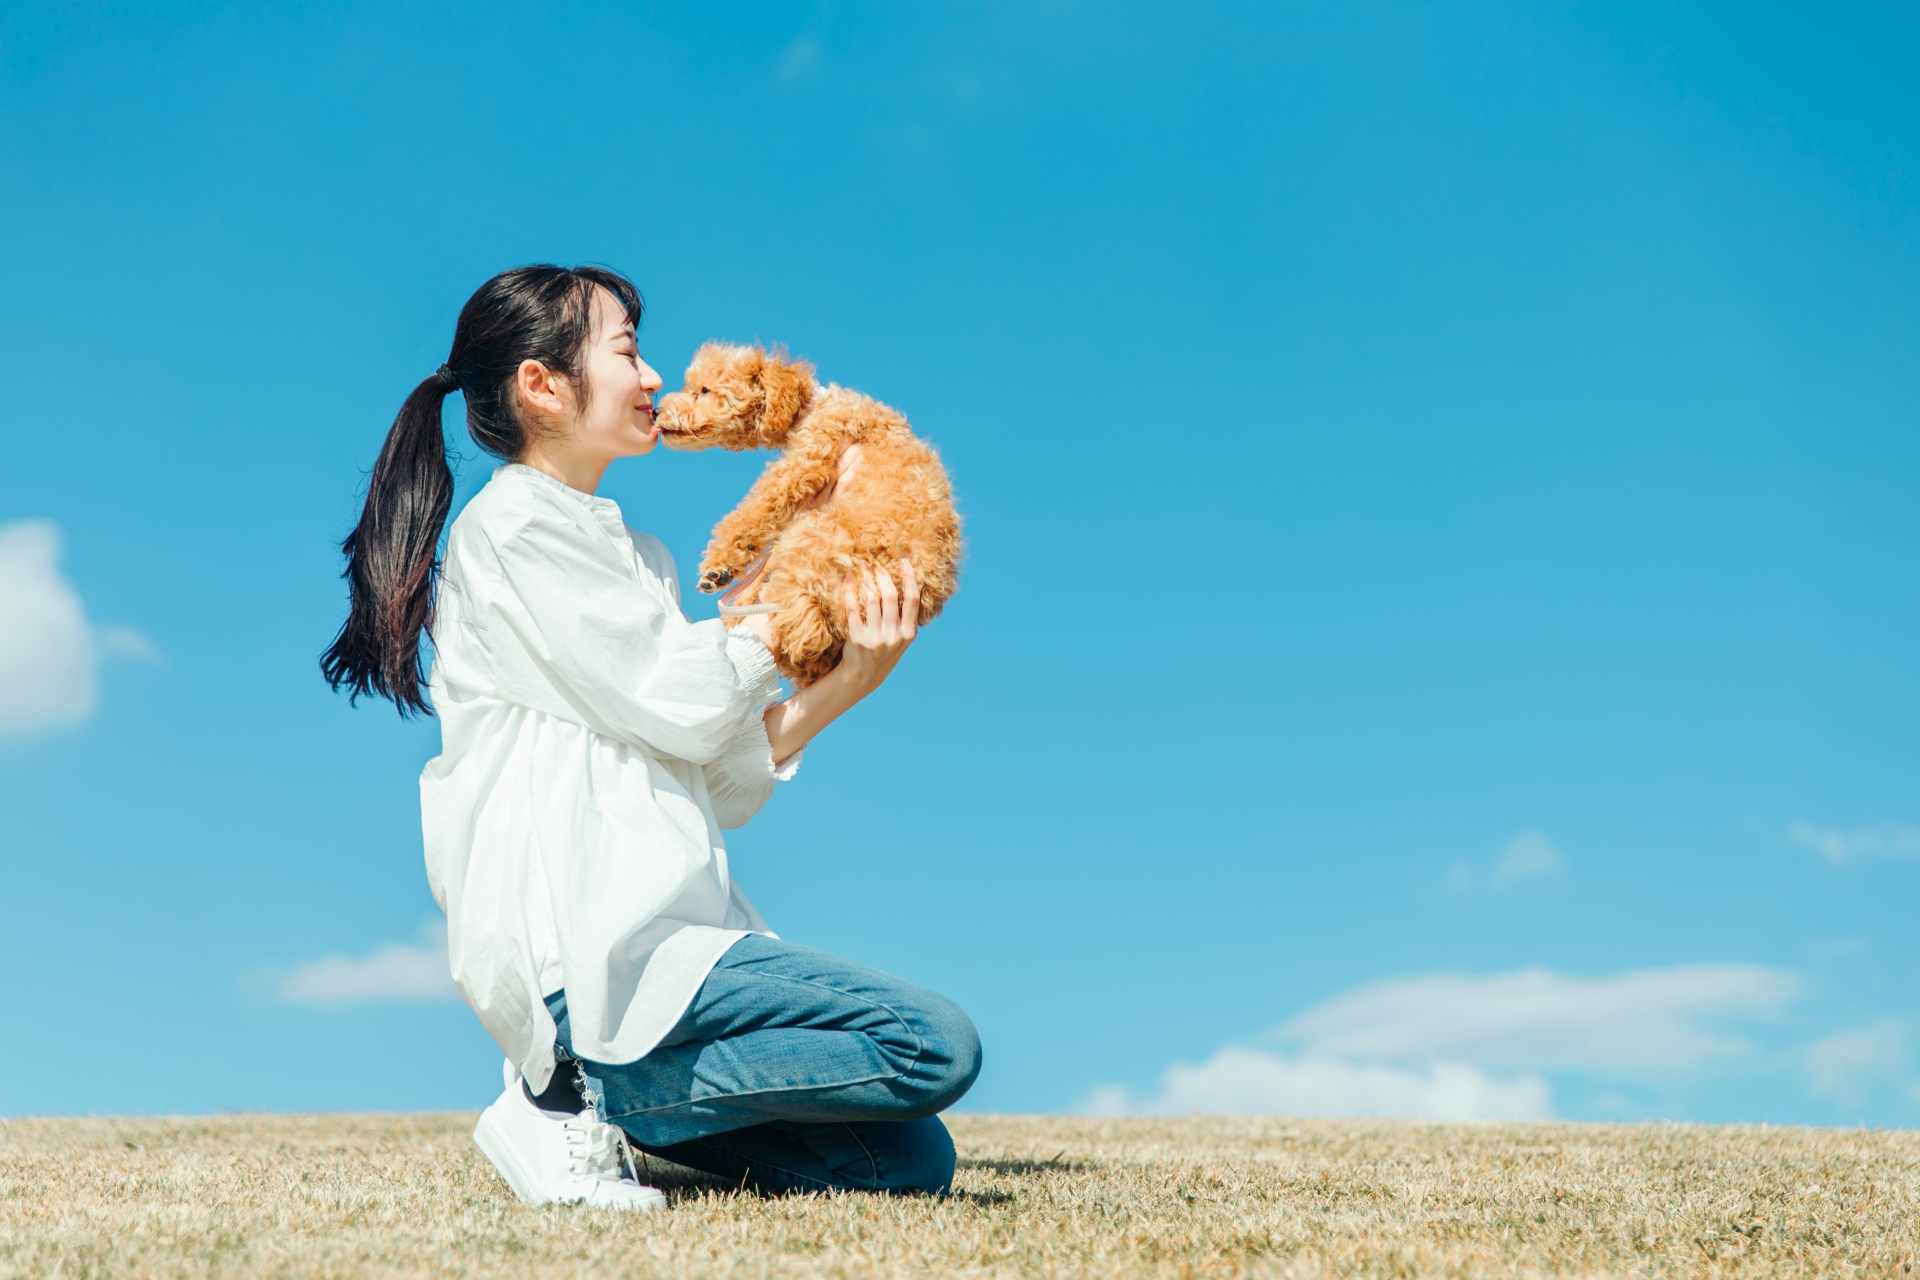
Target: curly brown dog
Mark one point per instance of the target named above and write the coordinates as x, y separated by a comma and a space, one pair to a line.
781, 545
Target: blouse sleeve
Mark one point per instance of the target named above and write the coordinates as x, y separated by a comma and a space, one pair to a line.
625, 662
741, 778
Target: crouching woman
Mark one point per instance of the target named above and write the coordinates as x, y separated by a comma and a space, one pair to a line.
594, 744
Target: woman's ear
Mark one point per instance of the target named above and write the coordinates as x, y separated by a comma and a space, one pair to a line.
544, 391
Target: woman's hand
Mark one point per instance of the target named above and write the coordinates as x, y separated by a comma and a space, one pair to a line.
881, 623
761, 624
843, 468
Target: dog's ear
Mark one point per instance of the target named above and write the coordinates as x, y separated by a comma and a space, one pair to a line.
788, 385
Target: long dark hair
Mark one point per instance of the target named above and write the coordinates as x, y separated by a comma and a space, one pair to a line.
541, 313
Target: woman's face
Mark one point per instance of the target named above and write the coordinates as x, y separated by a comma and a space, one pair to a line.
617, 421
619, 412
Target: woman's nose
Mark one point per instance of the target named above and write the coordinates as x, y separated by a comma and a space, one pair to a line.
650, 381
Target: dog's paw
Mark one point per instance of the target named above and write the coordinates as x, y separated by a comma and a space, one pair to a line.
741, 559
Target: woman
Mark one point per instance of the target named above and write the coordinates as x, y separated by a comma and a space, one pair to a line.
594, 744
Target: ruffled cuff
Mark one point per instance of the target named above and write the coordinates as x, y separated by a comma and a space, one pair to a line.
741, 779
754, 667
748, 755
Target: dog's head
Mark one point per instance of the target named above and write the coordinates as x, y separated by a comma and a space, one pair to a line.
735, 398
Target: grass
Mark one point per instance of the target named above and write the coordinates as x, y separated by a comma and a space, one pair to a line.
410, 1195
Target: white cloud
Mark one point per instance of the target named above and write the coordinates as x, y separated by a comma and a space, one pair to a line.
1448, 1046
1650, 1022
125, 642
1841, 1064
46, 655
49, 655
1241, 1080
397, 971
1838, 948
1841, 847
1529, 856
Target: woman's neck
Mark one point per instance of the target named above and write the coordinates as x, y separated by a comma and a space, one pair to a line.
569, 468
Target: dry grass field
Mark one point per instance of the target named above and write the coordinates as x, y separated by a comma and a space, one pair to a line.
253, 1195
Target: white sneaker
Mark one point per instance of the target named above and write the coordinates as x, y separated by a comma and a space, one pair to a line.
549, 1157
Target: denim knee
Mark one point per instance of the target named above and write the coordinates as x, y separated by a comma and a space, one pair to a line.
925, 1163
949, 1056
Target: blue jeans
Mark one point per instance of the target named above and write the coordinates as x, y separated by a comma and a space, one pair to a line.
796, 1070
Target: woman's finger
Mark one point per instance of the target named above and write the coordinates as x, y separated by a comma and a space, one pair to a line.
870, 600
889, 606
909, 600
851, 600
857, 620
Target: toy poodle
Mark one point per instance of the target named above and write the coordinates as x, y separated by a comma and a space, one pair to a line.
784, 551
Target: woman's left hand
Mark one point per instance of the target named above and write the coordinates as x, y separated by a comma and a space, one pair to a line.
881, 623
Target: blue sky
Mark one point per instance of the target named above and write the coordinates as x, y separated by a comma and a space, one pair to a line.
1438, 633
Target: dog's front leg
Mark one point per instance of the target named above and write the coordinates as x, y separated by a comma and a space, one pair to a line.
788, 484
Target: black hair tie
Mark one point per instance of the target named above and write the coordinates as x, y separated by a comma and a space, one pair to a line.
448, 379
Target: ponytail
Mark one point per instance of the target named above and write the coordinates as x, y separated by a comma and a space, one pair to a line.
392, 558
541, 313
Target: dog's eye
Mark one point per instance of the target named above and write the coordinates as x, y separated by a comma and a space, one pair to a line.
702, 391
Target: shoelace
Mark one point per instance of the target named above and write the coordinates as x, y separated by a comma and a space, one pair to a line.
598, 1150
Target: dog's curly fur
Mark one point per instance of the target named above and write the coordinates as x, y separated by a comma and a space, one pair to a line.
897, 505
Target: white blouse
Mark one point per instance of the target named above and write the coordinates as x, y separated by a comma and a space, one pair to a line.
593, 744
